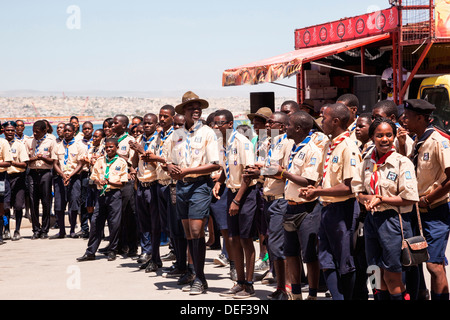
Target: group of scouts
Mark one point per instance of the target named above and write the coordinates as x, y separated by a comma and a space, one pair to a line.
336, 192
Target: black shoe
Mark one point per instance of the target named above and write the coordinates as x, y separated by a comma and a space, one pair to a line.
44, 235
143, 258
152, 267
82, 234
86, 257
198, 288
187, 278
73, 235
111, 256
57, 236
175, 273
6, 235
16, 236
103, 250
35, 236
169, 256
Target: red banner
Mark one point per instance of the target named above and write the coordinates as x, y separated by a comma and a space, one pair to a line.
369, 24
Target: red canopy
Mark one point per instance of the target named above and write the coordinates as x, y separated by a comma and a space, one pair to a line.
288, 64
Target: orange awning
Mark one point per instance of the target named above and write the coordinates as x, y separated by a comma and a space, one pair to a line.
288, 64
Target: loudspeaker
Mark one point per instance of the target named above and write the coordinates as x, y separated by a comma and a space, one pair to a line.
368, 91
262, 99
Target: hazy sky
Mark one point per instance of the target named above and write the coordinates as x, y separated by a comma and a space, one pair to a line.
139, 45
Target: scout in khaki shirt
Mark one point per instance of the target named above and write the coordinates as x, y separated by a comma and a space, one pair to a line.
147, 211
352, 103
5, 163
70, 155
341, 157
16, 176
129, 233
110, 174
40, 151
386, 186
241, 206
431, 158
191, 155
301, 168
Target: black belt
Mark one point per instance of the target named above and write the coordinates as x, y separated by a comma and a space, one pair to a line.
40, 170
192, 180
147, 184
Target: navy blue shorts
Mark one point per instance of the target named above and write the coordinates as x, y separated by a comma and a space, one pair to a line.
194, 199
70, 194
6, 196
436, 224
304, 241
336, 236
219, 208
243, 224
274, 212
383, 238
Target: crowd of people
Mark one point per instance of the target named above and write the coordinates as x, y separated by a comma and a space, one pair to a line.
336, 192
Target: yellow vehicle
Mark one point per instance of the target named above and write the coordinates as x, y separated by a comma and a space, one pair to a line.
436, 90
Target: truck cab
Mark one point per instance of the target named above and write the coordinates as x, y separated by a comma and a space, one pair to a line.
436, 90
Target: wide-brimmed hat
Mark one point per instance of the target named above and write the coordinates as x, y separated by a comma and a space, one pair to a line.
189, 97
264, 113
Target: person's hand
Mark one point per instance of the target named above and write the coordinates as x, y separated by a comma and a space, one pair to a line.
216, 190
309, 193
371, 203
234, 209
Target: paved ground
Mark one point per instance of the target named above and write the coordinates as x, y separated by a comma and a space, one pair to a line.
47, 270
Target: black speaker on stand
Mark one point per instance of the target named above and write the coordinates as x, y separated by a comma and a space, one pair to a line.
262, 99
368, 91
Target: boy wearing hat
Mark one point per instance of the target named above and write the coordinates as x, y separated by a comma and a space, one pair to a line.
16, 177
431, 158
5, 163
191, 155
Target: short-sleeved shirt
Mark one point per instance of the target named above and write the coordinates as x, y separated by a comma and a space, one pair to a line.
118, 171
147, 170
433, 159
124, 150
19, 154
320, 139
238, 155
396, 177
192, 148
306, 163
45, 147
5, 153
278, 154
162, 138
341, 166
76, 152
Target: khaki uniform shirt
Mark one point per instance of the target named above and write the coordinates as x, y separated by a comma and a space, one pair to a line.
306, 163
341, 166
5, 153
147, 170
239, 154
434, 158
45, 147
162, 175
19, 154
396, 178
118, 171
320, 139
275, 187
124, 149
77, 152
193, 148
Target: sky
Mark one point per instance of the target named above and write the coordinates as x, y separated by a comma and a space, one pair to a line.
146, 45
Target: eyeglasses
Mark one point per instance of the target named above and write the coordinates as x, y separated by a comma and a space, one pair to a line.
271, 122
220, 123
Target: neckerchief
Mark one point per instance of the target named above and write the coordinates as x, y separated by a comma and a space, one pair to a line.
149, 140
227, 151
164, 137
331, 148
295, 150
38, 144
108, 165
88, 142
66, 149
420, 142
122, 137
188, 150
374, 178
272, 146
